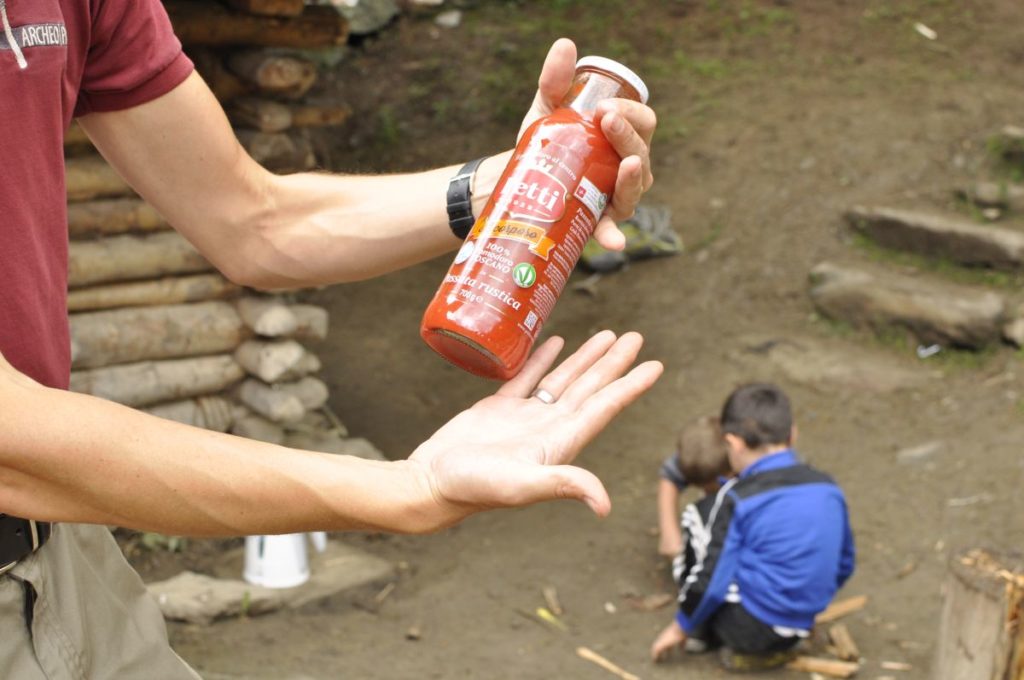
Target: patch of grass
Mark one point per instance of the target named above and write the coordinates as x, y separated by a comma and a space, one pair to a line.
389, 131
955, 359
713, 234
941, 266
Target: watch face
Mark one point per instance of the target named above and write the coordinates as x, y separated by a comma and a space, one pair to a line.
465, 252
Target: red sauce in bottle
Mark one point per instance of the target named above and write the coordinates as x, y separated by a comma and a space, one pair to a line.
516, 261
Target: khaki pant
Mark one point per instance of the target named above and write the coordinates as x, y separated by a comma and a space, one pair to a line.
92, 618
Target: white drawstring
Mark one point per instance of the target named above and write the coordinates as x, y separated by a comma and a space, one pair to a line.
15, 47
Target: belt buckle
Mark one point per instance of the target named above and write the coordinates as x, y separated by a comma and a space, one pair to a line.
33, 530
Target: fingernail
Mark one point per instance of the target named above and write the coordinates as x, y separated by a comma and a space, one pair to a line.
617, 123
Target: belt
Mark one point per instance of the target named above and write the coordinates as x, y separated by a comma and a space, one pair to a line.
19, 538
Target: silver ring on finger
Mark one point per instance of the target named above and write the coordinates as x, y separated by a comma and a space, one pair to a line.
544, 395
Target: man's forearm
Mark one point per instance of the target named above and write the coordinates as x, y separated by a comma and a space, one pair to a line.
328, 228
70, 457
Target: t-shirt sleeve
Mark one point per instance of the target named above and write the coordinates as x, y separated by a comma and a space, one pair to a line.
134, 56
670, 471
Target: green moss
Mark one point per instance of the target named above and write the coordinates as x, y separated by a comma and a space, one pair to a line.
941, 266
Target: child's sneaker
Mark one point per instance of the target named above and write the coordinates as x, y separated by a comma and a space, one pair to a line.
696, 646
748, 663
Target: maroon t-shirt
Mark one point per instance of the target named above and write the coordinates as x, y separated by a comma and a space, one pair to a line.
71, 57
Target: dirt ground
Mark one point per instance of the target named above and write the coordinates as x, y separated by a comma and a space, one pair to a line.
774, 117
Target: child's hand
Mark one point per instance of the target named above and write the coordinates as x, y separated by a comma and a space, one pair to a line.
670, 545
671, 638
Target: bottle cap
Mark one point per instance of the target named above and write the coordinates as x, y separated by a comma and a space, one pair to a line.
618, 69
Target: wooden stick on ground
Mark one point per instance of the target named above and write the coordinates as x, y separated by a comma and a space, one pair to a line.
841, 608
829, 667
846, 648
595, 658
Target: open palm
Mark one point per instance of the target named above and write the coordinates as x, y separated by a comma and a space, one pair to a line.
512, 449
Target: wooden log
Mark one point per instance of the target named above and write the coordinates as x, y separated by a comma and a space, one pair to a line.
262, 115
76, 141
251, 426
210, 413
113, 216
224, 84
320, 115
311, 322
270, 8
267, 316
829, 667
269, 361
169, 291
981, 629
127, 335
270, 402
206, 23
278, 151
152, 382
312, 393
273, 74
846, 648
92, 177
841, 608
127, 258
332, 442
309, 363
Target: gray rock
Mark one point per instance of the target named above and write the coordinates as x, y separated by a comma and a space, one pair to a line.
368, 16
1013, 331
202, 599
951, 238
995, 195
823, 363
936, 312
449, 19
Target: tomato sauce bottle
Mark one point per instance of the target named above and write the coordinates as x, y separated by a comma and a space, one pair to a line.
518, 256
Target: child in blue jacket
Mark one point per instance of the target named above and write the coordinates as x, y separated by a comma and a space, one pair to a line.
772, 546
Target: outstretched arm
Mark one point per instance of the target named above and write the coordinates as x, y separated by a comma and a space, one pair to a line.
271, 231
71, 457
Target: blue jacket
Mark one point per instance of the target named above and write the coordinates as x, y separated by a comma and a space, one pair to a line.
776, 539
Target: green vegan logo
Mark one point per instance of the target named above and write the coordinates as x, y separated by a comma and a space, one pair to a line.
524, 275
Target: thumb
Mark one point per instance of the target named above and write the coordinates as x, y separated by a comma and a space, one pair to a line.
556, 74
570, 482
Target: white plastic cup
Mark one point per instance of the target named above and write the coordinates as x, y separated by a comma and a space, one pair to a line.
276, 561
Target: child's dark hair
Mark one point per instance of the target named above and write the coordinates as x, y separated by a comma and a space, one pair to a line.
759, 414
701, 452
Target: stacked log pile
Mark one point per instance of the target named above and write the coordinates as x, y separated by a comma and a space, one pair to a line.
153, 325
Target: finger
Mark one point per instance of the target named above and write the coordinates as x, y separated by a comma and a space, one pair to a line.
629, 189
557, 73
538, 364
539, 483
602, 407
572, 368
608, 368
629, 130
639, 116
608, 234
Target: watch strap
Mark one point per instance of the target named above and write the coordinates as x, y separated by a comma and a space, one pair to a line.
460, 194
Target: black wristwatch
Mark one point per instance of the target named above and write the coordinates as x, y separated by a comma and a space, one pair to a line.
460, 194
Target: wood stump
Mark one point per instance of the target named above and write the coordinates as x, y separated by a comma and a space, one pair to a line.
981, 634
